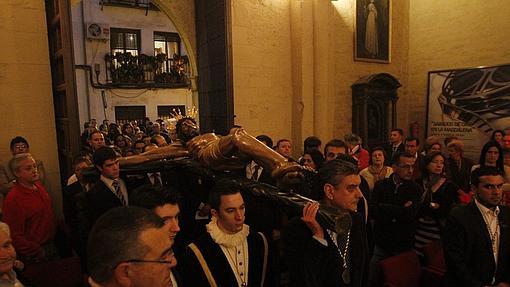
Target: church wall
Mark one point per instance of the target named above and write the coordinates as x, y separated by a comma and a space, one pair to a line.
450, 35
293, 66
26, 106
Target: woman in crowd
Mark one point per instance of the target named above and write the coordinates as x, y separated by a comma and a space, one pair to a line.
497, 135
432, 147
128, 130
492, 155
376, 171
312, 159
438, 198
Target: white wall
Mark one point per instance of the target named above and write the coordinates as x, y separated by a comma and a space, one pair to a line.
91, 52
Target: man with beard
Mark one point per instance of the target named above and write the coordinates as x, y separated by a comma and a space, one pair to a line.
476, 237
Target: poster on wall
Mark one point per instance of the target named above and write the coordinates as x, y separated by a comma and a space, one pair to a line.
372, 31
469, 104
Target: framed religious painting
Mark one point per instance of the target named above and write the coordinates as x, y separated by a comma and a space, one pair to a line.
372, 31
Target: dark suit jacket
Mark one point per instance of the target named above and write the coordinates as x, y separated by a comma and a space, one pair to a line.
395, 224
134, 181
388, 160
468, 248
193, 275
460, 175
312, 264
100, 199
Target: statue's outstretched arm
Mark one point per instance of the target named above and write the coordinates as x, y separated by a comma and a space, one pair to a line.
166, 152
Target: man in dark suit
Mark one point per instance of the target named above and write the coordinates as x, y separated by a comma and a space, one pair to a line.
476, 237
395, 204
412, 146
110, 191
395, 146
317, 256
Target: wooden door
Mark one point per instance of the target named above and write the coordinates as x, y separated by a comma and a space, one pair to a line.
58, 13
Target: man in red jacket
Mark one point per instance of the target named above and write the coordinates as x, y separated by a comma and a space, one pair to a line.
28, 212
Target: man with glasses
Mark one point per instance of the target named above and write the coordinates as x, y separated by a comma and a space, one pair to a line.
164, 203
395, 202
476, 238
130, 246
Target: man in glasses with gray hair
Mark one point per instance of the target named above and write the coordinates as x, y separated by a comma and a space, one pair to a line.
130, 246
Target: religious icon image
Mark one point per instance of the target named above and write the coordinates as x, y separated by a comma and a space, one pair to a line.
372, 31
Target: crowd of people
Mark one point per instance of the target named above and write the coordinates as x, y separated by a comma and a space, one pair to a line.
168, 228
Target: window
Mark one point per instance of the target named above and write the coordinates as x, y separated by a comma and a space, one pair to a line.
169, 44
125, 40
165, 112
125, 114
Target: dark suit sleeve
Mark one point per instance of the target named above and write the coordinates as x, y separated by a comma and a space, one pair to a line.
395, 210
304, 255
190, 270
455, 243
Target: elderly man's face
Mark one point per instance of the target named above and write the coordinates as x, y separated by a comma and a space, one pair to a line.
27, 171
346, 193
154, 274
7, 253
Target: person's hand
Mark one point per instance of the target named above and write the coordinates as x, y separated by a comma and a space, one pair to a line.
19, 265
309, 214
434, 205
408, 203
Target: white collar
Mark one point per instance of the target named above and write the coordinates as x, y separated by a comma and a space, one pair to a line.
109, 181
222, 238
487, 211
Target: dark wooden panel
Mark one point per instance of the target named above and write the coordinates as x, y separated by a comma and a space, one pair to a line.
214, 65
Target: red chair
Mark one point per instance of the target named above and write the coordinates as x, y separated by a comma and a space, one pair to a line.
435, 265
402, 270
434, 256
65, 272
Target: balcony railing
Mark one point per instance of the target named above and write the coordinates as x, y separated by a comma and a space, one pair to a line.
142, 4
126, 70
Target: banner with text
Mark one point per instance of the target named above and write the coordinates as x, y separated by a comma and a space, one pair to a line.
469, 104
